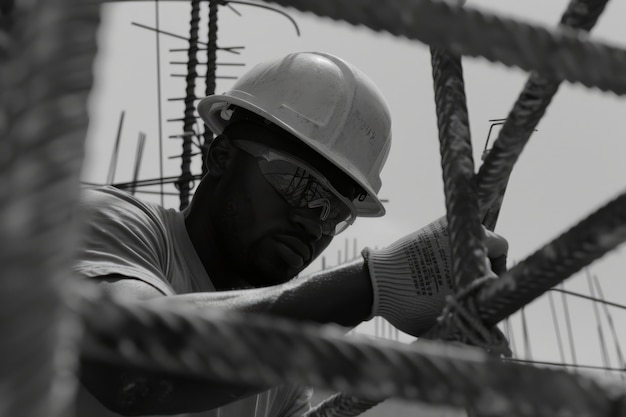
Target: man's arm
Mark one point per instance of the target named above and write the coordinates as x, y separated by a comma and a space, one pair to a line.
341, 295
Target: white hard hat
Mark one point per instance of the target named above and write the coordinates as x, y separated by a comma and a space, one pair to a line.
326, 103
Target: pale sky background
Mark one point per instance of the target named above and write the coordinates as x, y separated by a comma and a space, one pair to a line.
572, 165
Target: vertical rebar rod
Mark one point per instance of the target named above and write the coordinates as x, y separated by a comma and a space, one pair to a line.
596, 311
185, 179
609, 318
568, 323
116, 151
510, 335
528, 354
211, 69
53, 45
467, 247
141, 141
157, 24
557, 328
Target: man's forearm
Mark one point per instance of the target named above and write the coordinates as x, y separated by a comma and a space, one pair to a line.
341, 295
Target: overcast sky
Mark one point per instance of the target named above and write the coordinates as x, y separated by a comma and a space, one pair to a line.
573, 164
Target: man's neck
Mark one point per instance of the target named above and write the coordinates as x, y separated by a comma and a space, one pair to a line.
203, 237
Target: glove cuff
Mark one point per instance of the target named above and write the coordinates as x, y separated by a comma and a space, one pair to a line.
390, 293
410, 276
384, 265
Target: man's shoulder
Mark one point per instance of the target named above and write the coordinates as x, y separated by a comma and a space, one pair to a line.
111, 196
110, 202
109, 213
123, 236
290, 400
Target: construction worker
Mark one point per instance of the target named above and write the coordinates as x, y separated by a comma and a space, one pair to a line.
300, 145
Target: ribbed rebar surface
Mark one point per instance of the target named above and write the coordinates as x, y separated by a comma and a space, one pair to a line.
267, 351
45, 78
184, 182
211, 69
559, 53
457, 162
7, 16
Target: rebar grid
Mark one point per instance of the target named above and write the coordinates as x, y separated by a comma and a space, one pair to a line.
42, 207
458, 169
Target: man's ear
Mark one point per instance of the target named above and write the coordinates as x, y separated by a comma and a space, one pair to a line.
219, 155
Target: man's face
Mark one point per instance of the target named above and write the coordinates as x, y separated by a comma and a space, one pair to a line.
265, 238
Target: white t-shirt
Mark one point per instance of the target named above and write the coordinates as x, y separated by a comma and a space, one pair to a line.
144, 241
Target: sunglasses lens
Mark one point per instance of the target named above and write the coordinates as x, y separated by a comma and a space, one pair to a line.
302, 188
295, 184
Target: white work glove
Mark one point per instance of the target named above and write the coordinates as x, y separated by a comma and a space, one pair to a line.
412, 277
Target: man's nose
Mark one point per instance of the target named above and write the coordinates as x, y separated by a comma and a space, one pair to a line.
309, 220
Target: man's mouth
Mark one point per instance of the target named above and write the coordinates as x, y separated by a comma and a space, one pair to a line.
293, 250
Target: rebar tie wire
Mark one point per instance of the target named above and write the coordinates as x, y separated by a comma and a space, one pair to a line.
460, 322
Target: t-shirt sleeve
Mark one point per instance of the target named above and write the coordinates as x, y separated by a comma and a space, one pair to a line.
291, 401
121, 238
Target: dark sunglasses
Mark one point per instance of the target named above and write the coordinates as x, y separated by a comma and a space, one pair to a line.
302, 186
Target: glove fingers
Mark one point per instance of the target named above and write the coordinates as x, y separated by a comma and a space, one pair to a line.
498, 264
496, 244
497, 249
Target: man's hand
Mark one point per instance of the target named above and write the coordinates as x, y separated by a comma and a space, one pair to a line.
412, 276
497, 249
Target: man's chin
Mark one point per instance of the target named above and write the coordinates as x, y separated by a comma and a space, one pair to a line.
268, 279
273, 262
273, 273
